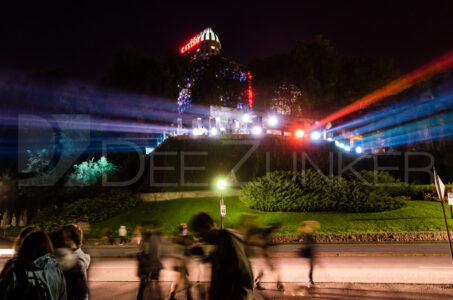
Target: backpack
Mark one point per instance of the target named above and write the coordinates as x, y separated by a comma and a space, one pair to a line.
25, 289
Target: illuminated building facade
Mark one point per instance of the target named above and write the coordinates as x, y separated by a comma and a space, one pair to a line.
212, 79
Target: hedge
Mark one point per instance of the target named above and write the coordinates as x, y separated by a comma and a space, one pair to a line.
91, 210
309, 191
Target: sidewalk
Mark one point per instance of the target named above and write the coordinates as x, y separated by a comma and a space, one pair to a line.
128, 290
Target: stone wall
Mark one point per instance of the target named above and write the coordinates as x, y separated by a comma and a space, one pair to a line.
400, 237
150, 197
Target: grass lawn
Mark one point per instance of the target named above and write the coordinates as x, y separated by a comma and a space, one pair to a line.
415, 216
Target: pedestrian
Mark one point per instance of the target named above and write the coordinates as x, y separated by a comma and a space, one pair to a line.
149, 262
73, 235
122, 232
181, 253
308, 250
16, 246
231, 272
260, 240
137, 235
35, 274
73, 269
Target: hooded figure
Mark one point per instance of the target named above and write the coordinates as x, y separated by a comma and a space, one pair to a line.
35, 274
231, 275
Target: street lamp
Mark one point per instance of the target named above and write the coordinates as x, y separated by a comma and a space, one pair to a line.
221, 186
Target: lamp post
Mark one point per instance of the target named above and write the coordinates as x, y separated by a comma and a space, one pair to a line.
221, 186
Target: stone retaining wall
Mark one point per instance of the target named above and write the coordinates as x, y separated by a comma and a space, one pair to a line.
400, 237
150, 197
353, 238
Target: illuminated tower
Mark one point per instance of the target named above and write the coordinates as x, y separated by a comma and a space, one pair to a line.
228, 83
203, 45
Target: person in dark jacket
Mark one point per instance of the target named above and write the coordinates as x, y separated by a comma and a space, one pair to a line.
35, 274
76, 284
149, 261
231, 272
308, 250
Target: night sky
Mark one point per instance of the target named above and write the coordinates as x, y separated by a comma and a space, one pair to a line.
83, 36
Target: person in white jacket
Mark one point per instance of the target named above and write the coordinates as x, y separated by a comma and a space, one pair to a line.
122, 232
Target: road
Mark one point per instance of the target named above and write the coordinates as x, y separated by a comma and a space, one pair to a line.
323, 250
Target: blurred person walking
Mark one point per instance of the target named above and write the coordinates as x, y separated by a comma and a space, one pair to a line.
182, 254
149, 265
231, 272
259, 240
35, 274
308, 250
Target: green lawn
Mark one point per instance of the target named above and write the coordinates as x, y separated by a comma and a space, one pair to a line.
415, 216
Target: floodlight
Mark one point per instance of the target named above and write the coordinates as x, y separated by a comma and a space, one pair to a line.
347, 148
257, 130
300, 133
246, 118
315, 135
358, 150
214, 131
272, 121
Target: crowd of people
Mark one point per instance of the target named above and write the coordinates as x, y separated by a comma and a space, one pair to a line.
226, 250
54, 266
51, 267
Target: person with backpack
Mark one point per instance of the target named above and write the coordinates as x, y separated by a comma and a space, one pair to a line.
35, 274
17, 244
231, 272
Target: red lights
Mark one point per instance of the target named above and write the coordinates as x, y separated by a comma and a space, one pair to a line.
249, 90
193, 41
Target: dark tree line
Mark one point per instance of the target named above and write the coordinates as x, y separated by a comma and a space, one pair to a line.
326, 79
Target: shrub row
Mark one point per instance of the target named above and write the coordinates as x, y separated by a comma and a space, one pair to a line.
310, 191
91, 210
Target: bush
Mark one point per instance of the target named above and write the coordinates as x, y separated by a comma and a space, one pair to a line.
393, 186
91, 210
285, 191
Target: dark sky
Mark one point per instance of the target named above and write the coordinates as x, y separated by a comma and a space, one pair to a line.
84, 36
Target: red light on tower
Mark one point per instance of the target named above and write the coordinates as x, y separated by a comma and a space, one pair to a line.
249, 90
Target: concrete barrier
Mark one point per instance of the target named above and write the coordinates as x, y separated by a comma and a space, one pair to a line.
151, 197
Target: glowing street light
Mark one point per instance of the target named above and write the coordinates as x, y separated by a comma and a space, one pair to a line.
347, 148
222, 184
358, 150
